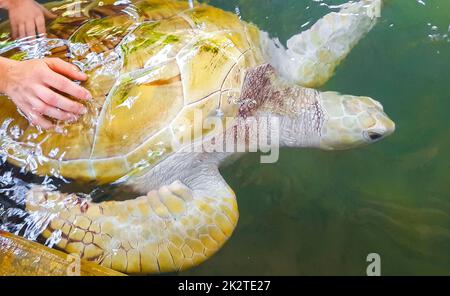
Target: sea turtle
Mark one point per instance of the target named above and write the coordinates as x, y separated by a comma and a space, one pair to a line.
155, 67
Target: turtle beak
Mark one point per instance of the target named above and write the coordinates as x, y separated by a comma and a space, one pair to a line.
352, 121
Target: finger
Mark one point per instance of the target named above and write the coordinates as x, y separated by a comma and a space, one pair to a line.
44, 109
14, 30
33, 117
30, 29
21, 105
47, 13
64, 68
69, 87
22, 31
39, 120
40, 25
56, 100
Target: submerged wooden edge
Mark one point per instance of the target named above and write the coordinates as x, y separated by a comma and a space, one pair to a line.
19, 256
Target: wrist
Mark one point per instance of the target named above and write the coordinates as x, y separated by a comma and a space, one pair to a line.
5, 68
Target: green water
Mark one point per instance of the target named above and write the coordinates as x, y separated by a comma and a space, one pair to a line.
322, 213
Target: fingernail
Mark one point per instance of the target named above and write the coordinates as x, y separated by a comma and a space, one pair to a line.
88, 96
84, 110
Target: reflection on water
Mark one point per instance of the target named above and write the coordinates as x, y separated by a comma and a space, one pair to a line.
322, 213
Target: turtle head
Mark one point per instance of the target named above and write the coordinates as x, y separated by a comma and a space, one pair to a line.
310, 118
351, 121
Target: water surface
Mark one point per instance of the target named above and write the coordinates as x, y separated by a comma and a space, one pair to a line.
322, 213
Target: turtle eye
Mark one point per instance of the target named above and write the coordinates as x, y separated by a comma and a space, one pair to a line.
375, 136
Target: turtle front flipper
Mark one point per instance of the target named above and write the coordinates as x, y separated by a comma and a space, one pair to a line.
312, 56
172, 228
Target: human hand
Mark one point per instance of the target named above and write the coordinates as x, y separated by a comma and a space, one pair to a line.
30, 84
27, 18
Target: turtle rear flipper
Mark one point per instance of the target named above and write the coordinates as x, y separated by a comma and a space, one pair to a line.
172, 228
